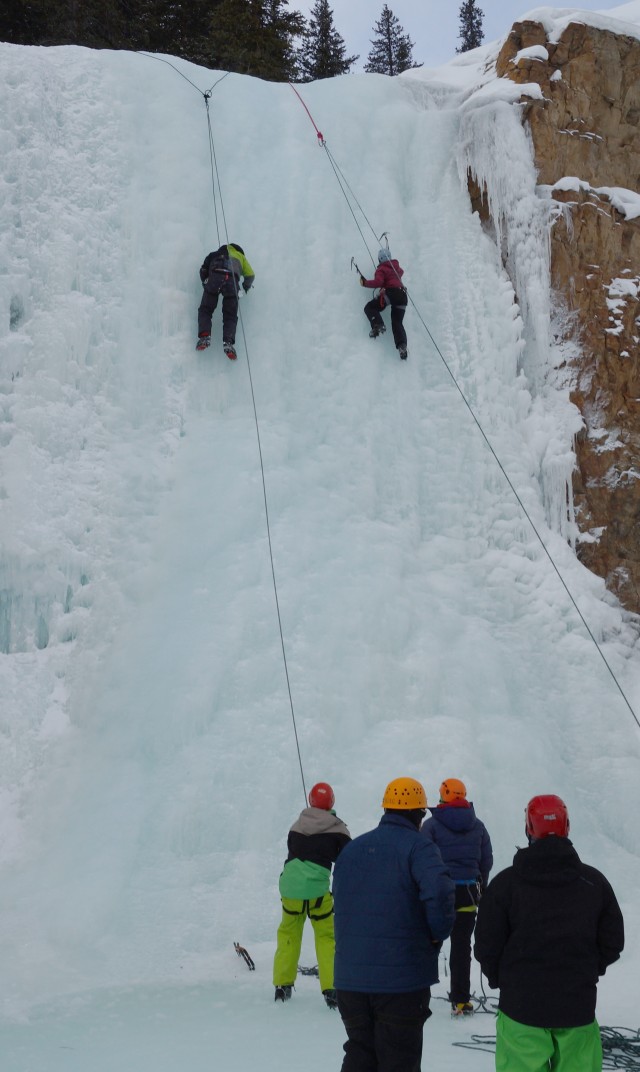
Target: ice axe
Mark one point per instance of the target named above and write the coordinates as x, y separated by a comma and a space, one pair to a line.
354, 265
243, 954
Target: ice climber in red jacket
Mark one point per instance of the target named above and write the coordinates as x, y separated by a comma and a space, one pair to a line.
388, 282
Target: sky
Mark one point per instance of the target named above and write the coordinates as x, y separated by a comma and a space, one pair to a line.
162, 714
433, 25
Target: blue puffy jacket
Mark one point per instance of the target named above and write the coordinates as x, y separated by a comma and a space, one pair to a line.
465, 845
394, 899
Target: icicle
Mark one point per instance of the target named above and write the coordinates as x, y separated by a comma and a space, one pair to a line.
497, 150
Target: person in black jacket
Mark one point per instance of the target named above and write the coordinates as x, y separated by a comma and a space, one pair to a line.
548, 927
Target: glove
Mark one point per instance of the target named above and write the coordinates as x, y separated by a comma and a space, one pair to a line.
361, 280
246, 287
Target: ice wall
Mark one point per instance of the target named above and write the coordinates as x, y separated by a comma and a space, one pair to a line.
495, 148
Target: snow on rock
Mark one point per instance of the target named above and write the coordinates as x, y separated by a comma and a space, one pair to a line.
533, 52
626, 202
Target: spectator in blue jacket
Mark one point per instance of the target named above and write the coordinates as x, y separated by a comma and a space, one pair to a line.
394, 906
465, 847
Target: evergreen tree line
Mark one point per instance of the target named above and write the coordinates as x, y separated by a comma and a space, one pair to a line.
256, 37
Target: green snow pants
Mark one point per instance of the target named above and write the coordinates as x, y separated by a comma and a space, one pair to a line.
520, 1048
294, 914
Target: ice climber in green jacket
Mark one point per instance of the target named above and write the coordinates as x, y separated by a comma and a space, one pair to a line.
315, 841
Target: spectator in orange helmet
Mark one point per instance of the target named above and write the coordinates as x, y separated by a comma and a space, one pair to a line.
465, 847
394, 907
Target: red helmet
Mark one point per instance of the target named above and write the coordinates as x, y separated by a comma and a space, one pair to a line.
545, 815
321, 796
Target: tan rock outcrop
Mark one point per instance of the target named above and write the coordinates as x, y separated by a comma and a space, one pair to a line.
588, 127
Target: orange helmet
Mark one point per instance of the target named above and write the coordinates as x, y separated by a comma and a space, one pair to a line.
452, 789
404, 794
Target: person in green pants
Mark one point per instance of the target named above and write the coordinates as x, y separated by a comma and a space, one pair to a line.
548, 927
314, 843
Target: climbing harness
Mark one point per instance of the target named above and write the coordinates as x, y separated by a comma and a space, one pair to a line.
309, 906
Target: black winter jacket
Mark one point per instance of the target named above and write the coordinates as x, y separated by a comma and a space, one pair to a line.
547, 928
317, 836
315, 841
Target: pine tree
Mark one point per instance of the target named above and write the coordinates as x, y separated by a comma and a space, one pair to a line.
323, 54
283, 29
255, 37
177, 27
392, 48
18, 22
471, 33
71, 22
235, 26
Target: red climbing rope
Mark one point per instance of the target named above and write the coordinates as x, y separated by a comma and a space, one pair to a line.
318, 132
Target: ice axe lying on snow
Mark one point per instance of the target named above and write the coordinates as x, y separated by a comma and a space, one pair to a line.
242, 952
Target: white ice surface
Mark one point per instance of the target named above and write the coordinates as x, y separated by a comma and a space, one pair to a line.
149, 771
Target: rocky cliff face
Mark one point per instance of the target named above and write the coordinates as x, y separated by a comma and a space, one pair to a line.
586, 136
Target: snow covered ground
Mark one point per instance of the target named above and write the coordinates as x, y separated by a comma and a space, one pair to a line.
149, 769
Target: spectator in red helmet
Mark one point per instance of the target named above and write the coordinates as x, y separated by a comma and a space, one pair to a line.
465, 847
548, 928
315, 841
